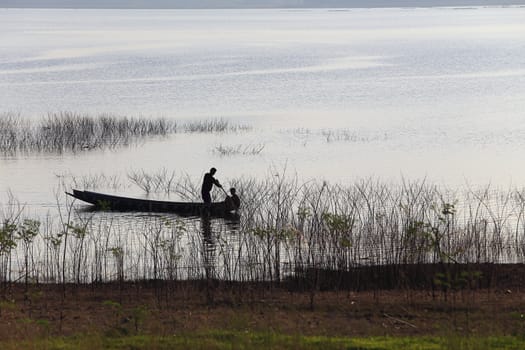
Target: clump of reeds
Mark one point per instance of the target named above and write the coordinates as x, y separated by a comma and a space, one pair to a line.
162, 181
14, 131
286, 228
213, 125
345, 135
226, 150
94, 181
68, 131
336, 135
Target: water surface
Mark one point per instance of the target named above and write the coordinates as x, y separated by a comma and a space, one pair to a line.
331, 95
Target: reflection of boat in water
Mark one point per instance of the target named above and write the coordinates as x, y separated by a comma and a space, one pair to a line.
111, 202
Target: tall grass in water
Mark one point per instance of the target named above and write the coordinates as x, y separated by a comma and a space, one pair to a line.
162, 181
68, 131
245, 150
65, 131
212, 125
289, 232
287, 229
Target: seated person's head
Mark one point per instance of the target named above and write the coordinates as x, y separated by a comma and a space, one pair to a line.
232, 191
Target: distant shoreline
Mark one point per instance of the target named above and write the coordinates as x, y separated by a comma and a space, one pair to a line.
249, 4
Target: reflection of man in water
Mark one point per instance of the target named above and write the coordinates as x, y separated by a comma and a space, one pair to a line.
207, 184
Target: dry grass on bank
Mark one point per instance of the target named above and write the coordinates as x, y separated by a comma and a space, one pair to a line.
185, 307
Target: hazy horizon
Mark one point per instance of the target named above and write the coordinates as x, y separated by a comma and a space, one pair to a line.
215, 4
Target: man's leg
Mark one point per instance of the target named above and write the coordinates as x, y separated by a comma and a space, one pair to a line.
206, 197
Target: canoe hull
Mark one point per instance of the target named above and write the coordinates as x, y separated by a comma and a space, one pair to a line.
111, 202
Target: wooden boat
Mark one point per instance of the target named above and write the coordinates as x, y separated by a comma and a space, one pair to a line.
111, 202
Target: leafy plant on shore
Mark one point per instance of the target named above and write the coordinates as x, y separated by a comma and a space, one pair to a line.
27, 232
7, 244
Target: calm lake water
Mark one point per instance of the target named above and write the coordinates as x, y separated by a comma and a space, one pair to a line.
331, 95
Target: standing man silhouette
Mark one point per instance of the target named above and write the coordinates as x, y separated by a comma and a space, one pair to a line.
207, 185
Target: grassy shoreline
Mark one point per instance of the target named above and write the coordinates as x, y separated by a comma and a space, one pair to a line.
309, 260
218, 339
140, 315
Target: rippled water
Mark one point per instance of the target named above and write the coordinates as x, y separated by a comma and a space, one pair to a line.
334, 95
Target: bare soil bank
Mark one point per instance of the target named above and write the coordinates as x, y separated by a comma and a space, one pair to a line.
414, 276
162, 308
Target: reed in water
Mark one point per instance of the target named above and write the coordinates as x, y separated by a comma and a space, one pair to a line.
287, 229
69, 131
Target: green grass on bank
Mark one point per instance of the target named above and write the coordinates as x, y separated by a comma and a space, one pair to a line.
248, 340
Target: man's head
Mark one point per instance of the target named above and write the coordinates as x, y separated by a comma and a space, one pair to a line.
232, 190
213, 171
